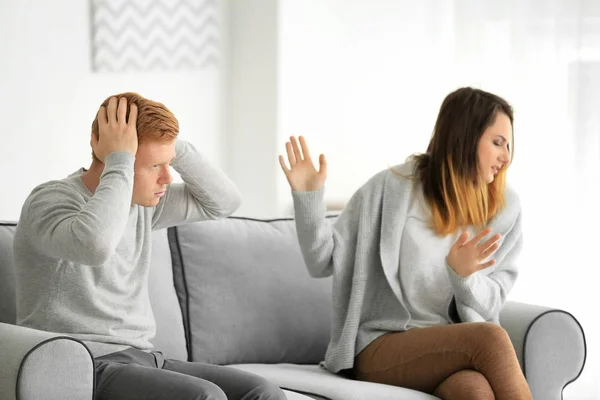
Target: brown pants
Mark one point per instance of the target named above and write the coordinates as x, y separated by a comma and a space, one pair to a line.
462, 361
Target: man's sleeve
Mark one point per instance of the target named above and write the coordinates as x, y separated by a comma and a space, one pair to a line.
206, 192
63, 225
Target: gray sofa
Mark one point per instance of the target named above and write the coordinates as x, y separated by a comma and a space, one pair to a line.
236, 292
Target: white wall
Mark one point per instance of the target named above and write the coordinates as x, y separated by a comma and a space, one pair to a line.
252, 103
49, 96
364, 85
350, 89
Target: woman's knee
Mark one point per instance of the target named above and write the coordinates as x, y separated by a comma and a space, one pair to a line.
465, 385
493, 335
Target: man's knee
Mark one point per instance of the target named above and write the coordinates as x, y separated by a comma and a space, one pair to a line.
208, 392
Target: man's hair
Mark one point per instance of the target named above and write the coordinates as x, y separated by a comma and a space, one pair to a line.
155, 122
449, 169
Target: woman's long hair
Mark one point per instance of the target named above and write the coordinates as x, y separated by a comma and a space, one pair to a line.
449, 170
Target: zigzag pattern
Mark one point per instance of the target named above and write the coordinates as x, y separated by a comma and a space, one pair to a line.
150, 35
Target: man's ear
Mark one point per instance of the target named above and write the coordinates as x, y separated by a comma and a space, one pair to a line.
94, 144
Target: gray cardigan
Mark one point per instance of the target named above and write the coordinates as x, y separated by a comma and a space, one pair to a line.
361, 250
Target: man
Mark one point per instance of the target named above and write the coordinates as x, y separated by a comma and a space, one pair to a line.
82, 253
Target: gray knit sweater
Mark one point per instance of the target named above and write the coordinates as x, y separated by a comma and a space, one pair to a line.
82, 259
361, 250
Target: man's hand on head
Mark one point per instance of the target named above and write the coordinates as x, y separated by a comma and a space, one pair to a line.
115, 131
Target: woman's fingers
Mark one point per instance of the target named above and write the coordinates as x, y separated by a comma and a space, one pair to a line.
489, 251
322, 165
296, 148
479, 237
304, 148
488, 243
462, 239
283, 166
290, 154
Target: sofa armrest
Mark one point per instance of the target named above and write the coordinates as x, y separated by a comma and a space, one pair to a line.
41, 365
550, 345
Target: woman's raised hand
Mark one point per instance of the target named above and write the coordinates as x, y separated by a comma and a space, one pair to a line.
302, 174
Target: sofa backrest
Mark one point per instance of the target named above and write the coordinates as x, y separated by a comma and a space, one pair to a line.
228, 291
170, 336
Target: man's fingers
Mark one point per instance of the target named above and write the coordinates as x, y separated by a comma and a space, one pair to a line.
122, 111
102, 116
296, 148
112, 110
133, 113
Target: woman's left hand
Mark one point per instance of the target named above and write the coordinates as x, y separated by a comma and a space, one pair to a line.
466, 256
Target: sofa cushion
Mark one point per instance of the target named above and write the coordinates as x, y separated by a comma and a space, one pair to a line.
7, 273
246, 293
314, 380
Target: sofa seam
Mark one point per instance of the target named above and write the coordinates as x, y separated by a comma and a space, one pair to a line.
185, 313
274, 219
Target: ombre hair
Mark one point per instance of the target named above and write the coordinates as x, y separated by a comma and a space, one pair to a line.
449, 171
155, 122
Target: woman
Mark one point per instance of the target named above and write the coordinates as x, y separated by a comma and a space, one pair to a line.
416, 292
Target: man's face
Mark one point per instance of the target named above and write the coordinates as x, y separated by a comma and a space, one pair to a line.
152, 172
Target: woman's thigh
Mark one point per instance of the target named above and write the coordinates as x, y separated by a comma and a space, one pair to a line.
423, 358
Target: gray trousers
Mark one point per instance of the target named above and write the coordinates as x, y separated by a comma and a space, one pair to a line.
133, 374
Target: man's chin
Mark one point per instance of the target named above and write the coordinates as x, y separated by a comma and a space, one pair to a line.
147, 203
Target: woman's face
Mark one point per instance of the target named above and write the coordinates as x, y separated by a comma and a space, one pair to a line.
494, 148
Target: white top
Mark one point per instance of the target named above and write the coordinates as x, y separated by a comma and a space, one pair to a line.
426, 287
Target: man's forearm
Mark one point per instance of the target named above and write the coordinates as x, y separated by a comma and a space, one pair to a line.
210, 186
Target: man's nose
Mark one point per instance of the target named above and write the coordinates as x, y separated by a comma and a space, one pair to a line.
166, 177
